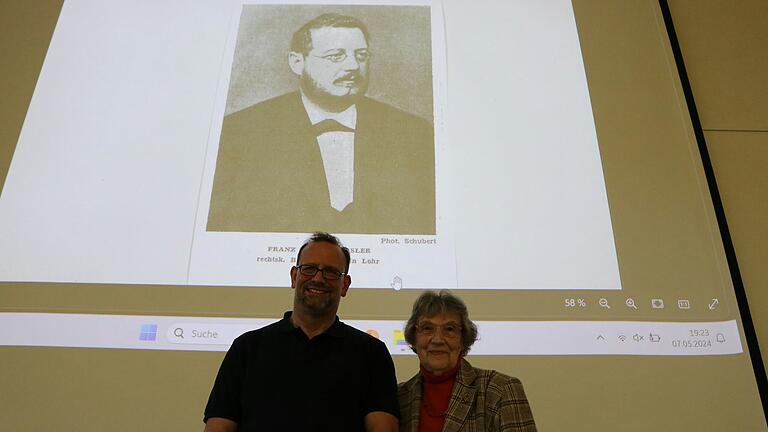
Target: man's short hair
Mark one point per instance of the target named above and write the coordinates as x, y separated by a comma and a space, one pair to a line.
431, 303
302, 39
325, 238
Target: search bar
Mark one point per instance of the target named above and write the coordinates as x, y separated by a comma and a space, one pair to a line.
205, 333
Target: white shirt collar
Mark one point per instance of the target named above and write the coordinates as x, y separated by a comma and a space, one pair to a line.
348, 117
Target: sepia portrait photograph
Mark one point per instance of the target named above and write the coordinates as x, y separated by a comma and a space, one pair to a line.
329, 122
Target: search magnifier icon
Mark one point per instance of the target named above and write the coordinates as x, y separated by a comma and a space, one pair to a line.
631, 303
178, 332
603, 302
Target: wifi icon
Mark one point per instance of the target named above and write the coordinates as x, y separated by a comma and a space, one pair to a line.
622, 338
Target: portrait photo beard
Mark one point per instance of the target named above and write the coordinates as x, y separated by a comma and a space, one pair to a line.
330, 102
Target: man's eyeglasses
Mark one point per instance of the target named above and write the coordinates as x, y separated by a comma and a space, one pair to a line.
449, 331
329, 273
361, 56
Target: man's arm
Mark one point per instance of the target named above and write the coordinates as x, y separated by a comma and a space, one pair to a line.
381, 401
218, 424
380, 421
222, 412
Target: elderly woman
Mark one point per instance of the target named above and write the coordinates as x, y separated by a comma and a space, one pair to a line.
448, 394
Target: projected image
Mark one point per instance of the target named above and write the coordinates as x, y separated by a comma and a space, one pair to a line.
325, 155
328, 125
208, 172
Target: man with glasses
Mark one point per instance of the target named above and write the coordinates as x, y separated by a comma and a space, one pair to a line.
308, 371
326, 155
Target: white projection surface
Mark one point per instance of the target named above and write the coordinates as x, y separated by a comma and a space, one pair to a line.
111, 178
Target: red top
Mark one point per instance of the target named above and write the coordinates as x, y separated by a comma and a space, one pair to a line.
435, 396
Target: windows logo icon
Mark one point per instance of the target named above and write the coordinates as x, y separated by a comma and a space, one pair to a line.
148, 332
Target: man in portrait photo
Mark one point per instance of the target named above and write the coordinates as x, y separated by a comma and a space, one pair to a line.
326, 156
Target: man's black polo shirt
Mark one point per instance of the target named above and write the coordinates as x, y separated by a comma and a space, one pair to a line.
276, 379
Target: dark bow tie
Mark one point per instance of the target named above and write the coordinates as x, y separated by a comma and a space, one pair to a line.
329, 125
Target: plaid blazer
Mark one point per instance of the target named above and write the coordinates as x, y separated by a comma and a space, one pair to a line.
481, 400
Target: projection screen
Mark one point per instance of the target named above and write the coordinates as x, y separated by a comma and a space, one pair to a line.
148, 216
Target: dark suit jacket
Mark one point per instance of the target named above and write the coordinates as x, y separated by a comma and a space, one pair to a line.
270, 176
481, 401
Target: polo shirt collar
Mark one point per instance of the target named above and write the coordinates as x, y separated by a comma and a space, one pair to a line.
336, 329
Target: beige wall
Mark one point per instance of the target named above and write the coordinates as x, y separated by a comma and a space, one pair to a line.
723, 45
